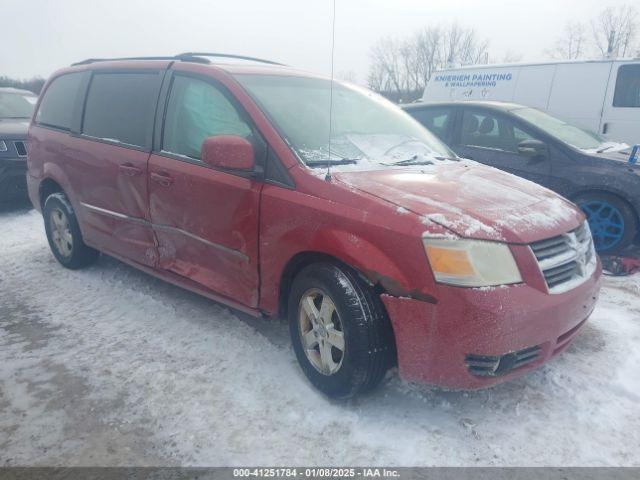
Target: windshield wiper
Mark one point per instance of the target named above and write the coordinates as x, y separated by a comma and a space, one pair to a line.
323, 163
453, 159
410, 161
602, 150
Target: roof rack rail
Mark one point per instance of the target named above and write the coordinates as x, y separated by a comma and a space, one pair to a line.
189, 56
196, 57
96, 60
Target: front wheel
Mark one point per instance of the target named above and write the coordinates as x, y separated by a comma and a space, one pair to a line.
340, 333
63, 233
612, 221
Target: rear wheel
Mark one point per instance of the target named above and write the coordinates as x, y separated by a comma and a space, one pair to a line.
613, 222
340, 333
63, 233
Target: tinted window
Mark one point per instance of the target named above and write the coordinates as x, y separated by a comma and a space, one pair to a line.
58, 104
120, 106
435, 119
198, 110
486, 130
628, 87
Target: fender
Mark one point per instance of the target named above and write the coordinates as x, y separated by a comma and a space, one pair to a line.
362, 255
58, 175
374, 264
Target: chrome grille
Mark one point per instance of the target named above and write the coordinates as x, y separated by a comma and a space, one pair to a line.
567, 260
21, 148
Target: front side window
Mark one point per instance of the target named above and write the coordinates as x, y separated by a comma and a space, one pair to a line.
563, 131
628, 87
487, 130
120, 107
58, 104
16, 104
366, 132
436, 120
197, 110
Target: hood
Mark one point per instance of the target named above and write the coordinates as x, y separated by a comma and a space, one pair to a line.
14, 129
616, 161
617, 156
472, 200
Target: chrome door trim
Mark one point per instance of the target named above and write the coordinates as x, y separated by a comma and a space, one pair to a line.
166, 228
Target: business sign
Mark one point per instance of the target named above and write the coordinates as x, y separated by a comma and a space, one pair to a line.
475, 80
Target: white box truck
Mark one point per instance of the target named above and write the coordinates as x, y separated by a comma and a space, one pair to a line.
600, 95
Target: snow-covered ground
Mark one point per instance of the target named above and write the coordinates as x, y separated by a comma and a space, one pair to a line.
109, 366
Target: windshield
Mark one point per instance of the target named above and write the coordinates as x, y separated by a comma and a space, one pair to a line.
16, 105
367, 131
566, 132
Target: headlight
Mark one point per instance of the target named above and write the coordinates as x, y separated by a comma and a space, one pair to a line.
3, 146
471, 263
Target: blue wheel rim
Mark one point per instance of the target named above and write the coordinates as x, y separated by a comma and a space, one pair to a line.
606, 223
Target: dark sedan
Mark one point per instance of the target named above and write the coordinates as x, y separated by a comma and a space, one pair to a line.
16, 107
580, 165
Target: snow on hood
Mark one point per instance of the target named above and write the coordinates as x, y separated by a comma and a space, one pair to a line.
472, 200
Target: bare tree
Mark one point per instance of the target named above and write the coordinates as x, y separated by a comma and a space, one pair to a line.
386, 58
614, 31
462, 46
427, 42
401, 68
571, 44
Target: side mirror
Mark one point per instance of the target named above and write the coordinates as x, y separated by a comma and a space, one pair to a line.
533, 149
229, 152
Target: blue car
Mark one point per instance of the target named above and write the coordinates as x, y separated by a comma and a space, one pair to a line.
580, 165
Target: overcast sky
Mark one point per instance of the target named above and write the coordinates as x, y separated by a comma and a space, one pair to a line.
43, 35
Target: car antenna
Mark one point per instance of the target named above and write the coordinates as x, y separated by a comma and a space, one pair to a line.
333, 47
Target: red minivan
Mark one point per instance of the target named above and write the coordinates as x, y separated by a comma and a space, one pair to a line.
279, 192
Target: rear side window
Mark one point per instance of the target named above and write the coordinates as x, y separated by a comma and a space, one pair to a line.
120, 107
434, 119
197, 110
627, 87
58, 104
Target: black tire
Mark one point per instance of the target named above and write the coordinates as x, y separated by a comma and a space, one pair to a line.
78, 254
368, 337
627, 212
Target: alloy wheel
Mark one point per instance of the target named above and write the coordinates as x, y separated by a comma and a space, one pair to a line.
61, 233
321, 331
606, 223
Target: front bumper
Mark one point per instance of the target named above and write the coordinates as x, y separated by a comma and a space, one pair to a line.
443, 343
13, 179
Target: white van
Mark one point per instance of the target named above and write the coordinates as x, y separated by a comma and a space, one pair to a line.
600, 95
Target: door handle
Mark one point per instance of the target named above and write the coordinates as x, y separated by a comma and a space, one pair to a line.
130, 170
161, 178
